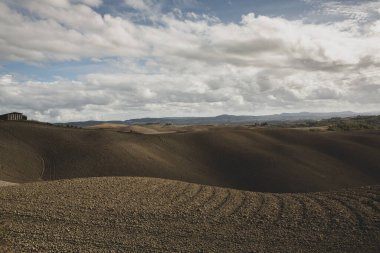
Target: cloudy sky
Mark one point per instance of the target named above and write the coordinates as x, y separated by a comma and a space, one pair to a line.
67, 60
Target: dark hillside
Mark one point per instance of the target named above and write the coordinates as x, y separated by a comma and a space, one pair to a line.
268, 160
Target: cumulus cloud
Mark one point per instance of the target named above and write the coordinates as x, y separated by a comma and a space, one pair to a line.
187, 63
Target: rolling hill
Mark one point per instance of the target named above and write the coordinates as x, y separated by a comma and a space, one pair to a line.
267, 160
195, 189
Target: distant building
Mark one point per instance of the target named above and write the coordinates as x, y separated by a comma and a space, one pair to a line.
13, 116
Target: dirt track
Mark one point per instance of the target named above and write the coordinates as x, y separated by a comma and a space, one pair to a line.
154, 215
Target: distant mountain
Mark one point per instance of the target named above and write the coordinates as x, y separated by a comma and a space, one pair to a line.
224, 119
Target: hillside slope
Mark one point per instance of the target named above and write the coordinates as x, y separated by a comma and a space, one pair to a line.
267, 160
156, 215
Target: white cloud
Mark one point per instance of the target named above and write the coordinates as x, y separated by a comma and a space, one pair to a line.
65, 31
187, 63
144, 5
361, 11
93, 3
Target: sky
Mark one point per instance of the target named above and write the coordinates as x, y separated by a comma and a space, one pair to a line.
72, 60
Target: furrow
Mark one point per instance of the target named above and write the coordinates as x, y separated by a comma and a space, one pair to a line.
371, 202
303, 206
312, 208
363, 211
295, 207
326, 210
190, 194
224, 201
271, 209
204, 199
253, 203
261, 205
360, 220
161, 191
239, 205
356, 219
280, 207
185, 187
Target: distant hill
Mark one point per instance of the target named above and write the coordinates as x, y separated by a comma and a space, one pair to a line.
223, 119
336, 123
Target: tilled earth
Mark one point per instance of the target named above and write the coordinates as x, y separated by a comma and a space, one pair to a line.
124, 214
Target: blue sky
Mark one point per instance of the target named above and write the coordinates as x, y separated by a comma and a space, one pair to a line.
91, 59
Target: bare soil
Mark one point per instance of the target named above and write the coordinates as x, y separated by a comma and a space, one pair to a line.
266, 160
156, 215
204, 189
5, 183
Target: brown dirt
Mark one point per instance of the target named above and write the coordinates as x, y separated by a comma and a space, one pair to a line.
267, 160
5, 183
156, 215
145, 214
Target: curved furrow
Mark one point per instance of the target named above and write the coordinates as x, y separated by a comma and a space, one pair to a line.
184, 188
181, 193
338, 207
249, 206
294, 207
236, 206
326, 210
360, 219
372, 202
302, 204
204, 200
364, 210
280, 206
262, 202
223, 196
368, 193
254, 204
242, 204
190, 194
312, 208
225, 201
271, 208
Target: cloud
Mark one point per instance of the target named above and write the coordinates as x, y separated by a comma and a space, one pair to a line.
93, 3
142, 5
59, 31
186, 63
361, 11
